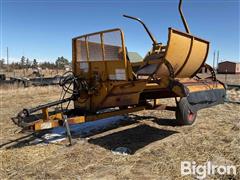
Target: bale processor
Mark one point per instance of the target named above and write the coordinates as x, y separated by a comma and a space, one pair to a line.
103, 83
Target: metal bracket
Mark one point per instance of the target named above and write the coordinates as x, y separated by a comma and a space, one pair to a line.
68, 132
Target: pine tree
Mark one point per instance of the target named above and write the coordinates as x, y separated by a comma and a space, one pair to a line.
35, 63
23, 61
61, 62
28, 63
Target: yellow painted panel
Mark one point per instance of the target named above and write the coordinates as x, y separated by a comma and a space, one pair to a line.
129, 87
119, 93
185, 53
121, 100
98, 68
178, 49
204, 87
196, 58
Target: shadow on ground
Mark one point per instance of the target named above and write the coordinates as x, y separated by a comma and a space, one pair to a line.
159, 121
134, 138
25, 140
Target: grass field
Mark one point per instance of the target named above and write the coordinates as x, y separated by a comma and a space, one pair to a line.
158, 146
29, 72
226, 78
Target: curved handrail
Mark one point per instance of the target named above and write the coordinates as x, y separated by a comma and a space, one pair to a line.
145, 27
183, 18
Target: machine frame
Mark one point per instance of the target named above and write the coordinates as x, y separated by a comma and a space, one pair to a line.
105, 83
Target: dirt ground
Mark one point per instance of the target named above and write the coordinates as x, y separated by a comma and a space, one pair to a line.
229, 78
157, 146
225, 78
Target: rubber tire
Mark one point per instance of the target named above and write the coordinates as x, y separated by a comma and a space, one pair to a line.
184, 115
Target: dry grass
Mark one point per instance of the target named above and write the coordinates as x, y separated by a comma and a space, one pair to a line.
158, 148
29, 72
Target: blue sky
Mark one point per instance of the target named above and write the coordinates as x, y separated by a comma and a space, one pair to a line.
43, 29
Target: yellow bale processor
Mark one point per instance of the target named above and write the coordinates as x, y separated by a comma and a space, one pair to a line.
103, 83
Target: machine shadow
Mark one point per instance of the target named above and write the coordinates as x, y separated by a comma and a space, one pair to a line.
139, 136
37, 137
159, 121
135, 138
23, 141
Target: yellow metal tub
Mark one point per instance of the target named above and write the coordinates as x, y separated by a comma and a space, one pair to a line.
185, 54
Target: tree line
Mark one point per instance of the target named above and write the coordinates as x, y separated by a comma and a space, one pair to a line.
25, 63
